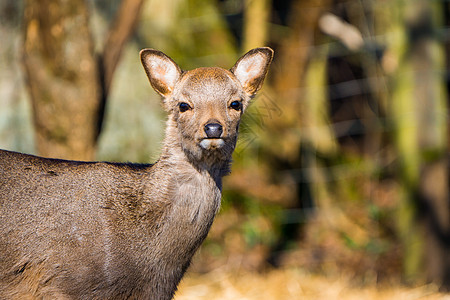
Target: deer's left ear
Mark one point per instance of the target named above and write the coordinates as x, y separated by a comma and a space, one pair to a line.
162, 72
251, 69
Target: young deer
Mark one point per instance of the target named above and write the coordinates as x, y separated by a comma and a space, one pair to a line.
98, 230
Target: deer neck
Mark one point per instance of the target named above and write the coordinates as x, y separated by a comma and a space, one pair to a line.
193, 188
190, 196
173, 153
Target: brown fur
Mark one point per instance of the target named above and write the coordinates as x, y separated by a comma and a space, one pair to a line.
98, 230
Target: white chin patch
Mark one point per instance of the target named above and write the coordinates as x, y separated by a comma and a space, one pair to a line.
210, 144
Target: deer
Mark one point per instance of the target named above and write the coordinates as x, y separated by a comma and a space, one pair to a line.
105, 230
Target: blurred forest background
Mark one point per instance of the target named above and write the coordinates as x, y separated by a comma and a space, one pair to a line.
342, 167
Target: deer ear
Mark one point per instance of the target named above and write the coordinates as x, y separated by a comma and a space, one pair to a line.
251, 69
162, 72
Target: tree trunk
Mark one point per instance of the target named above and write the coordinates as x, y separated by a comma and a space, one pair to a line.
285, 144
62, 78
68, 84
256, 20
417, 108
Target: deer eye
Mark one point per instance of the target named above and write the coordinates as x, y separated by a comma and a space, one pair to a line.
183, 106
236, 105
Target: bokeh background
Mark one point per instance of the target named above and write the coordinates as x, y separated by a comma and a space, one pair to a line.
340, 182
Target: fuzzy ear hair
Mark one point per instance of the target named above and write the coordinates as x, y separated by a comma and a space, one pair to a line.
251, 69
162, 72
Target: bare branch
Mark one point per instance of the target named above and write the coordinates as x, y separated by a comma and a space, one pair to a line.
122, 28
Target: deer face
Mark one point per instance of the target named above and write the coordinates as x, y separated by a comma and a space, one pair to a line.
205, 105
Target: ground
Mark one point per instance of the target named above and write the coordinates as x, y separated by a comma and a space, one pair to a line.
292, 284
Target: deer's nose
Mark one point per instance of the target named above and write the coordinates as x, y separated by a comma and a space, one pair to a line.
213, 130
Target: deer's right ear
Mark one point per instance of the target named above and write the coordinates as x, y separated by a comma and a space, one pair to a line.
251, 69
161, 70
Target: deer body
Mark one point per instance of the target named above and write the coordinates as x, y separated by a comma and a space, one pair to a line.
97, 230
103, 232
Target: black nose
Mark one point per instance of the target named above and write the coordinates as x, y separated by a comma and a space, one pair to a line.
213, 130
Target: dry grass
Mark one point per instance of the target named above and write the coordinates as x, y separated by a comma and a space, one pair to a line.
290, 284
